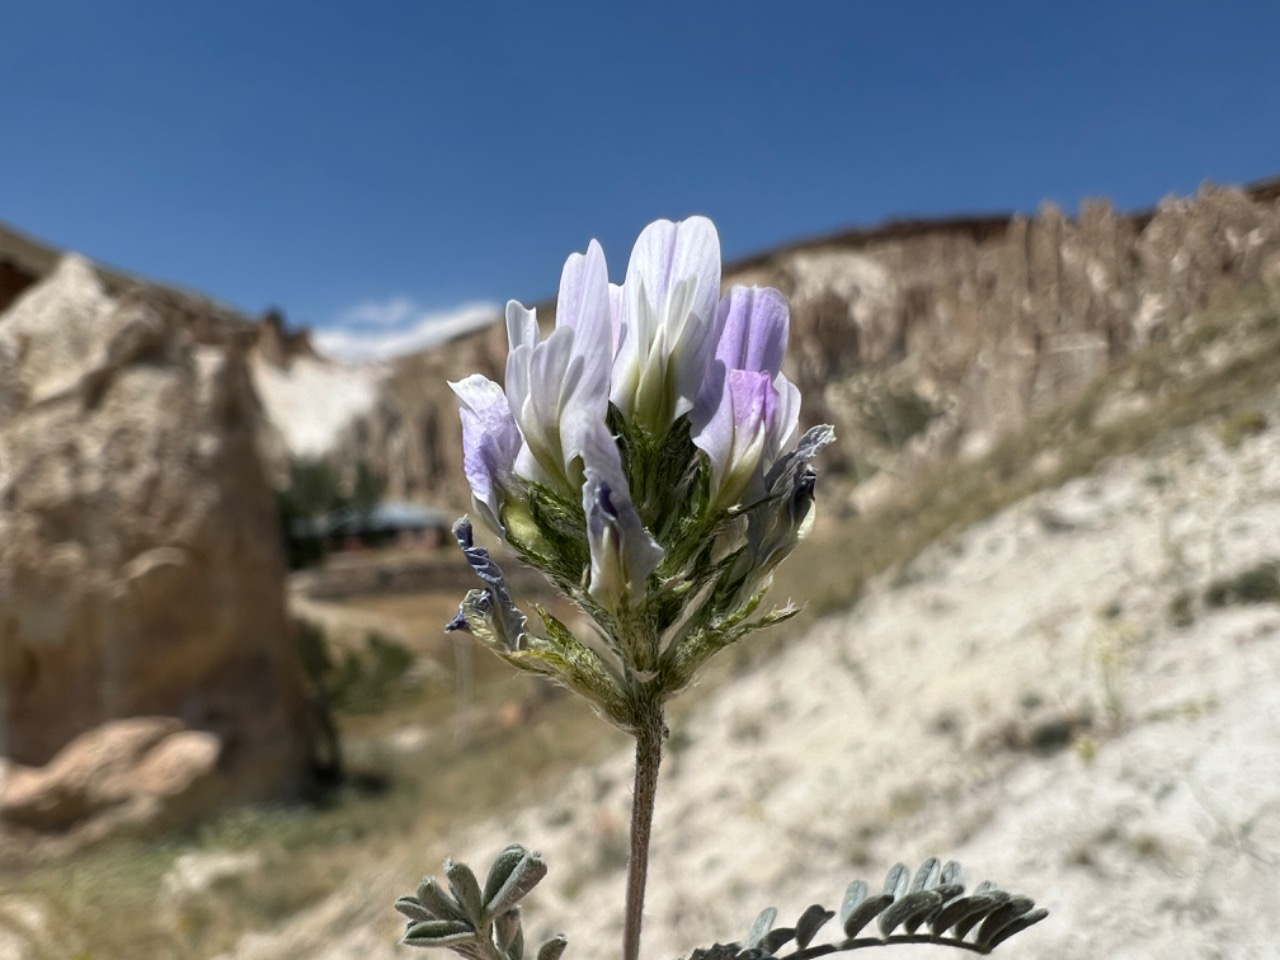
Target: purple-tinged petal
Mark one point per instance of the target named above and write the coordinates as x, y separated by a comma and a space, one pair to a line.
785, 422
490, 443
509, 625
753, 329
542, 374
735, 437
583, 302
623, 553
584, 396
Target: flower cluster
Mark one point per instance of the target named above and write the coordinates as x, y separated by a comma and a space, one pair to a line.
638, 456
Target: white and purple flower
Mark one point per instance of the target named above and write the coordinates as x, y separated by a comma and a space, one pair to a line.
748, 410
663, 346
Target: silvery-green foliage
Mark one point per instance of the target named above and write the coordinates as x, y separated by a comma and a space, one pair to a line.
474, 923
931, 907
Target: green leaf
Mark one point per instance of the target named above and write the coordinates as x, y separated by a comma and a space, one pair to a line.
1008, 912
502, 867
777, 938
897, 880
810, 922
959, 911
927, 875
854, 894
992, 901
865, 912
1016, 926
763, 924
466, 890
553, 948
910, 911
438, 933
506, 927
523, 877
414, 909
952, 874
438, 902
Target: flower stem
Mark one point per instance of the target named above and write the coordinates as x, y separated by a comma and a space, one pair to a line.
649, 733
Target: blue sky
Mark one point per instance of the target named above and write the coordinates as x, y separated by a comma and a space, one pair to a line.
378, 167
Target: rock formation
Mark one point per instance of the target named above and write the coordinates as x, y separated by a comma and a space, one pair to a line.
138, 771
977, 326
917, 339
140, 563
279, 345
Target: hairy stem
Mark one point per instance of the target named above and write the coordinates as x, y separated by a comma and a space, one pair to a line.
649, 733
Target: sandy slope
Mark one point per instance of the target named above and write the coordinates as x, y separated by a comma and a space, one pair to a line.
907, 726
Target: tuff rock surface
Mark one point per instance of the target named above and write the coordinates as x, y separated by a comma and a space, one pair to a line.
140, 564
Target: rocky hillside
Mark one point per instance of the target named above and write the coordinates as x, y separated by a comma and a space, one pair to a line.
917, 339
305, 398
141, 571
1075, 697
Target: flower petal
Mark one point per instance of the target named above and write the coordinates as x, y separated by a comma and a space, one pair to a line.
522, 325
737, 435
623, 553
490, 442
670, 321
508, 623
665, 253
751, 332
753, 329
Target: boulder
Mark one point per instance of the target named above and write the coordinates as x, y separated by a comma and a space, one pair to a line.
135, 771
141, 572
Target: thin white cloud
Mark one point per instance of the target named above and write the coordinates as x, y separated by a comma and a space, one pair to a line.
362, 335
379, 313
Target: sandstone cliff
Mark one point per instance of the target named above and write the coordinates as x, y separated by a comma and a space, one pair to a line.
917, 339
140, 564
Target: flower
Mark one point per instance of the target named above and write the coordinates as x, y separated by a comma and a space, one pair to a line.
636, 455
623, 553
669, 324
558, 389
747, 410
490, 443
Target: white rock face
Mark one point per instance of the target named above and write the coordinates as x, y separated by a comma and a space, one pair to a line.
909, 727
311, 401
